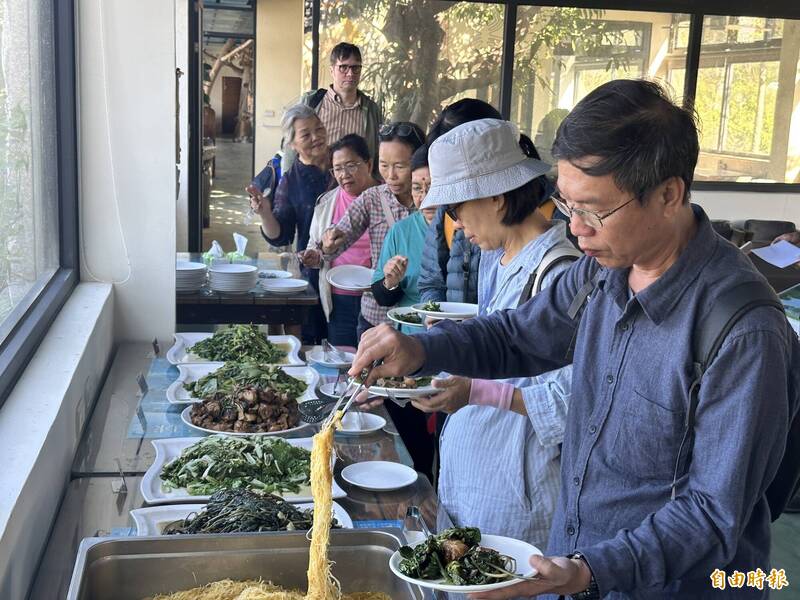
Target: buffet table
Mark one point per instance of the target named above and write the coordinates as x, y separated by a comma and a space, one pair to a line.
115, 451
206, 306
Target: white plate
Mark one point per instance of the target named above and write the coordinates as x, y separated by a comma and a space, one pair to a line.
189, 373
187, 419
329, 389
274, 274
151, 520
427, 390
450, 310
317, 356
186, 267
379, 475
169, 449
232, 269
516, 549
284, 286
177, 353
360, 423
394, 312
354, 278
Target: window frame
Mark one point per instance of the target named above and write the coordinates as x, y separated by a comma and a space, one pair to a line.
697, 9
33, 318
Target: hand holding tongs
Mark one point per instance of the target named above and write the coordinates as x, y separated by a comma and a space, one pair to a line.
349, 403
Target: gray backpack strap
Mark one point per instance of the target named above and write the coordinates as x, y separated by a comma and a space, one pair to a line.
551, 258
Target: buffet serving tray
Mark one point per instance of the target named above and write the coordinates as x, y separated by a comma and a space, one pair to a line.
135, 568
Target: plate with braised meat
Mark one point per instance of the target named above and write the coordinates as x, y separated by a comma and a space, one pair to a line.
461, 560
403, 387
247, 410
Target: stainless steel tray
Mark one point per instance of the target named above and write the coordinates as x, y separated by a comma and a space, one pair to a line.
135, 568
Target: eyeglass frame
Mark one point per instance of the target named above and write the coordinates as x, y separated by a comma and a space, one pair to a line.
343, 68
451, 210
567, 210
348, 168
390, 128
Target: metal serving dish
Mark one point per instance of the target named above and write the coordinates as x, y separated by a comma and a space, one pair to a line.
135, 568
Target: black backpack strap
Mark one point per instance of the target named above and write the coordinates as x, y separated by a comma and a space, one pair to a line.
708, 336
316, 98
576, 308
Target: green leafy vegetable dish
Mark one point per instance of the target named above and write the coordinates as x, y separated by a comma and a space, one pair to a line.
238, 343
246, 373
260, 464
432, 307
409, 317
241, 511
456, 556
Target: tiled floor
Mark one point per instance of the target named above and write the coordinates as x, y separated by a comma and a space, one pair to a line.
229, 202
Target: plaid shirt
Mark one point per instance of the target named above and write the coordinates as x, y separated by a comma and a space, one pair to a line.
366, 213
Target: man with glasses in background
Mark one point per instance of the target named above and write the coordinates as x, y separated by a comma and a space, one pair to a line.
342, 107
663, 489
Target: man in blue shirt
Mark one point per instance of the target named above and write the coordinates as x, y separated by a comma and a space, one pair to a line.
626, 157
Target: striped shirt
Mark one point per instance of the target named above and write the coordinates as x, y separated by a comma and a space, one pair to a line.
340, 120
366, 214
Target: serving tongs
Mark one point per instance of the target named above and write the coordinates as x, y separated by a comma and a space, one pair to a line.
349, 403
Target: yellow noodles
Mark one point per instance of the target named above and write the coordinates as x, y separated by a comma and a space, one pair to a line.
321, 584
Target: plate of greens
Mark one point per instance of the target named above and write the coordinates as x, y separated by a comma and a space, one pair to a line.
203, 380
457, 311
406, 316
231, 511
235, 344
192, 469
463, 561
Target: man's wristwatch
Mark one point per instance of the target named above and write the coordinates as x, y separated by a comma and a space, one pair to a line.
590, 593
394, 287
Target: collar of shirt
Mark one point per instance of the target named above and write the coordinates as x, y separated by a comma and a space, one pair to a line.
526, 262
337, 99
660, 297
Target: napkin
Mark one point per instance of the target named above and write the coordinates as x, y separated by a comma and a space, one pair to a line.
241, 243
215, 255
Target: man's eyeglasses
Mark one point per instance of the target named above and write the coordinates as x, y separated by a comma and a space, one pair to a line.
452, 210
589, 217
344, 68
346, 169
402, 130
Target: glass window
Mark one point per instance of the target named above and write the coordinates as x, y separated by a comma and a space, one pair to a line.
29, 227
747, 82
562, 54
418, 57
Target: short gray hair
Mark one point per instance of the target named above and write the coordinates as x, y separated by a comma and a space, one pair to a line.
292, 114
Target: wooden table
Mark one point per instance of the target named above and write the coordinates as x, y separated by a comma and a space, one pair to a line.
256, 306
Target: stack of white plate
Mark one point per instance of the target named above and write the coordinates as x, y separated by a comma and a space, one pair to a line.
284, 286
189, 276
232, 278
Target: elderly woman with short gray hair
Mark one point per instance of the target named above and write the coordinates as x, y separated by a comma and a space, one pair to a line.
289, 214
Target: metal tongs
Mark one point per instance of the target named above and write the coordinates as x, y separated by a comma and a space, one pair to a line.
349, 403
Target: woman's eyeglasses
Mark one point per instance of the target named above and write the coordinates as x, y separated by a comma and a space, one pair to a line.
346, 169
402, 130
452, 210
344, 68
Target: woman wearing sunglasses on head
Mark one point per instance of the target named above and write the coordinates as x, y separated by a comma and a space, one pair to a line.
378, 208
351, 167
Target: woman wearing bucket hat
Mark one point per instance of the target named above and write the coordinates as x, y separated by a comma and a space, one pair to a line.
499, 450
